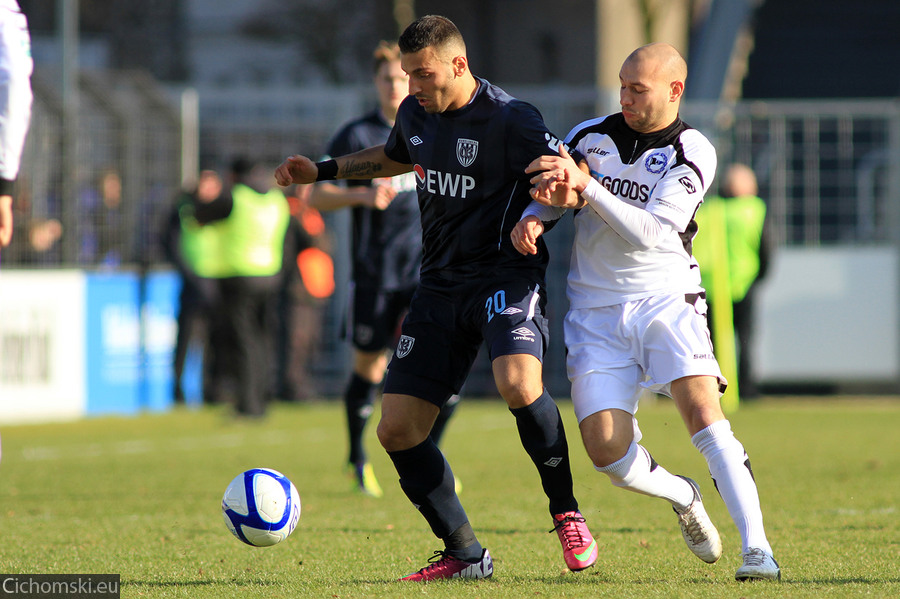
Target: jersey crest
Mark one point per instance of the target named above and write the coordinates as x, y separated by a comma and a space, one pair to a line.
466, 151
405, 345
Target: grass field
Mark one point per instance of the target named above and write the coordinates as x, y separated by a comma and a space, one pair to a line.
140, 497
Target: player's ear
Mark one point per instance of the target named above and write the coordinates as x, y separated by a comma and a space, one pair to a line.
460, 65
676, 89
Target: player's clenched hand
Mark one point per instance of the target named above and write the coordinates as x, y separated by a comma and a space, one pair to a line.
559, 180
296, 169
524, 235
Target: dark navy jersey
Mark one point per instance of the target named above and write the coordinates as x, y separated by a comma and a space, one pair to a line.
470, 174
387, 244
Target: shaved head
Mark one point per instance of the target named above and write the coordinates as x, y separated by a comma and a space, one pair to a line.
652, 80
660, 59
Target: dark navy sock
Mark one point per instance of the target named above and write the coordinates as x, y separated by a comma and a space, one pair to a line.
358, 401
544, 438
427, 480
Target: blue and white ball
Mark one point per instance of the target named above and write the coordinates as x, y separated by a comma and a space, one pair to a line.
261, 507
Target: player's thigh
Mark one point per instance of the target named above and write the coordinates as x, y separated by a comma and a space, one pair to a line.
674, 341
434, 352
600, 362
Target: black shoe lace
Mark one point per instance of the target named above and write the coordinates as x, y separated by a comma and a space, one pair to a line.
434, 560
572, 533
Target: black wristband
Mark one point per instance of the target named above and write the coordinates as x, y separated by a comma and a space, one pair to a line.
7, 187
327, 170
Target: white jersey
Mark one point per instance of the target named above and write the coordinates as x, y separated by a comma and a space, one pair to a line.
15, 88
664, 173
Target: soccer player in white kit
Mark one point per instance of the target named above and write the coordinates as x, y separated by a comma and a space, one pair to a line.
15, 105
637, 311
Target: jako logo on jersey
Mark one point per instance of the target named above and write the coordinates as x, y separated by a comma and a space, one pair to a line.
523, 334
687, 184
626, 188
445, 184
466, 151
416, 140
405, 345
656, 162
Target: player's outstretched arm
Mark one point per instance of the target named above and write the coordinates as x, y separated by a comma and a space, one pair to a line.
559, 180
370, 163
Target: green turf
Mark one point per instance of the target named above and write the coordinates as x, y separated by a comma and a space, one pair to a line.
140, 497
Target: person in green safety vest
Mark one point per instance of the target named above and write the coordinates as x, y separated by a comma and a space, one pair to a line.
252, 219
743, 261
193, 250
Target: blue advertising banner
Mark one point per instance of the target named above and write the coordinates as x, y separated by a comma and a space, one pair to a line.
113, 338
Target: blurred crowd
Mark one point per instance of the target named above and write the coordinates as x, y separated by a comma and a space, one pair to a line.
256, 267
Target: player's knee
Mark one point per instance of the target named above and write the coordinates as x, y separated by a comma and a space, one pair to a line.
397, 436
610, 452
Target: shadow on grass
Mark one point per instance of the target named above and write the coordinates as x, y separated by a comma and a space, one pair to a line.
839, 581
197, 583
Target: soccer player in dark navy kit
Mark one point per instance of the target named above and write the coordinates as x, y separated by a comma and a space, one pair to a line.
468, 143
387, 254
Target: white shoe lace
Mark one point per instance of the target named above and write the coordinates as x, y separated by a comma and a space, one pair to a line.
755, 558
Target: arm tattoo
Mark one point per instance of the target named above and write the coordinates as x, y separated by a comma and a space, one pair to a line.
360, 170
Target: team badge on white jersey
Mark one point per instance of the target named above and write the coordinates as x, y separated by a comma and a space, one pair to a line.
466, 151
405, 345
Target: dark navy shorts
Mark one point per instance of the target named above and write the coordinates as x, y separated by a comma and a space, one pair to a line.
375, 316
444, 329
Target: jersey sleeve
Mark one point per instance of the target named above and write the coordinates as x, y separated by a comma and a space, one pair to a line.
677, 195
528, 136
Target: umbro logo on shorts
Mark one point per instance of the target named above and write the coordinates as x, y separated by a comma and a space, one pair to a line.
511, 310
523, 334
415, 140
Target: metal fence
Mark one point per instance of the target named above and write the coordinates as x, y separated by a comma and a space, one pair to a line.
829, 171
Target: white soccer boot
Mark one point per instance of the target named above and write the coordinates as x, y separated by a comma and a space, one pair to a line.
758, 565
698, 531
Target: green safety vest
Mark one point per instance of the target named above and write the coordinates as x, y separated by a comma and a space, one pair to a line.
253, 234
739, 223
201, 245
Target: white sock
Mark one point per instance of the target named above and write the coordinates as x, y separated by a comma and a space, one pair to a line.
729, 467
633, 472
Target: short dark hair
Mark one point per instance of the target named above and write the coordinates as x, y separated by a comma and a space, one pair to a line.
385, 52
429, 31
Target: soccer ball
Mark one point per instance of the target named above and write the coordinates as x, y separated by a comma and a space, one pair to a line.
261, 507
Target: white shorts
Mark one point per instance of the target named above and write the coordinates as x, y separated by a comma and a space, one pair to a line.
615, 352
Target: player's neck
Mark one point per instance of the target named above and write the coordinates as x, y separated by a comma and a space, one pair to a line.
468, 91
